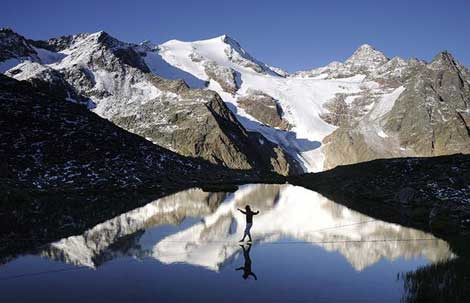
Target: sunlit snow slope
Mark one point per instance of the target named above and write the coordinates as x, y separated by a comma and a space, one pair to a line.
301, 98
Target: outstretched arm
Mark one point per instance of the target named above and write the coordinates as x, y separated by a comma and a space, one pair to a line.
240, 268
256, 212
241, 211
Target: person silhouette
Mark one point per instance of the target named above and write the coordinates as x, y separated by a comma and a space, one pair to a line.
249, 221
247, 268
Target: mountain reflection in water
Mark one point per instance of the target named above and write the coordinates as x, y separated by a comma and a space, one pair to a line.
288, 215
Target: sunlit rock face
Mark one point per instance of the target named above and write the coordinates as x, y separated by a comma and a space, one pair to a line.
414, 109
287, 214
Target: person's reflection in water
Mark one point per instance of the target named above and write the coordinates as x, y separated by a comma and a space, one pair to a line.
247, 268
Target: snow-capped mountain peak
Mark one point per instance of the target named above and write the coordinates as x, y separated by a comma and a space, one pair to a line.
204, 56
367, 57
365, 60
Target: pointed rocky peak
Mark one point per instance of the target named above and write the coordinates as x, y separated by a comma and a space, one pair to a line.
444, 57
101, 37
14, 45
444, 60
365, 48
106, 39
367, 56
8, 37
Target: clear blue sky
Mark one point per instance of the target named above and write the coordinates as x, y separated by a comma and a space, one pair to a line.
290, 34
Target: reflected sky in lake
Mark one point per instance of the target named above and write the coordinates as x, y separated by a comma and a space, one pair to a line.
184, 247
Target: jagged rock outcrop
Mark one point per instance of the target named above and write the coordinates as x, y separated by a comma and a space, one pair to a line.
226, 77
14, 46
264, 108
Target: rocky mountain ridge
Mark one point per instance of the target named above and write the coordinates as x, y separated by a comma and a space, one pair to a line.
358, 102
111, 78
366, 108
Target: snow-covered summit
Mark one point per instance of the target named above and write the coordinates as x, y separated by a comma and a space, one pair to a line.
365, 58
223, 50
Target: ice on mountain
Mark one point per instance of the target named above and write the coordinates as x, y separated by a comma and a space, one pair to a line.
48, 57
160, 67
386, 103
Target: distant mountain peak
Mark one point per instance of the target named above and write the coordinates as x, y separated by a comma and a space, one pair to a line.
445, 56
366, 50
444, 59
366, 56
366, 46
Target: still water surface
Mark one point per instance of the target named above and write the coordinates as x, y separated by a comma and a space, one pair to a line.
184, 248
